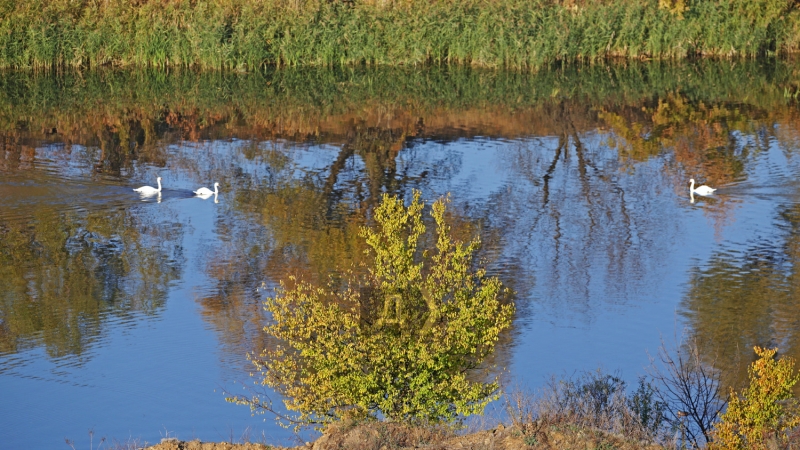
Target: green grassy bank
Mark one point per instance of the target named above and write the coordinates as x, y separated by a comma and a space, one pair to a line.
522, 34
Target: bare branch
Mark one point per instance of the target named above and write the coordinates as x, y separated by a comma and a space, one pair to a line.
690, 390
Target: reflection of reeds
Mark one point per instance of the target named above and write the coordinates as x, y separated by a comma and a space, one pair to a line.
246, 34
136, 109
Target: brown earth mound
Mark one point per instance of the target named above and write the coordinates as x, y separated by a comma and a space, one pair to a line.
174, 444
387, 436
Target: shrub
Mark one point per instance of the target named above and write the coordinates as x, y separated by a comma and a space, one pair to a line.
398, 342
765, 410
644, 404
592, 401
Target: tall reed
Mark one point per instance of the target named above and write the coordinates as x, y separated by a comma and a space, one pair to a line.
521, 34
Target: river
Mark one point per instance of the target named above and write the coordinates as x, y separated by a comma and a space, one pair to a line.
130, 318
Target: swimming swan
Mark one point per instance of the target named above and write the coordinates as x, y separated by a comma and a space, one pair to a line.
206, 192
701, 190
149, 190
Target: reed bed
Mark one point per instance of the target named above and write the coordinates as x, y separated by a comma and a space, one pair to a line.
516, 34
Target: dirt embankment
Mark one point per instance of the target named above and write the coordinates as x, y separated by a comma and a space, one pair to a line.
384, 436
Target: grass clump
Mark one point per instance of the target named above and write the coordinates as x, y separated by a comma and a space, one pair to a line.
592, 406
520, 34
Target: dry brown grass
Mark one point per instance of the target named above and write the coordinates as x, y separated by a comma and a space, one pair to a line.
175, 444
592, 408
383, 436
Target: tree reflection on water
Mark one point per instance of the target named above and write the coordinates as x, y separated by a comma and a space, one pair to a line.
65, 274
592, 157
742, 299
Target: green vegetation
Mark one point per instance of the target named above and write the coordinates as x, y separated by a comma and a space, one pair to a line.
764, 415
249, 34
766, 411
402, 340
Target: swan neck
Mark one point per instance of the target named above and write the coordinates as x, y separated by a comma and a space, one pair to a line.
691, 188
216, 189
159, 184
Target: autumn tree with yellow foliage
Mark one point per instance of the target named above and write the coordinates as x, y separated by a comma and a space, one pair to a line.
765, 411
400, 341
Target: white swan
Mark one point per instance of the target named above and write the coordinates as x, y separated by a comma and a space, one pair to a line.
701, 190
206, 192
149, 190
